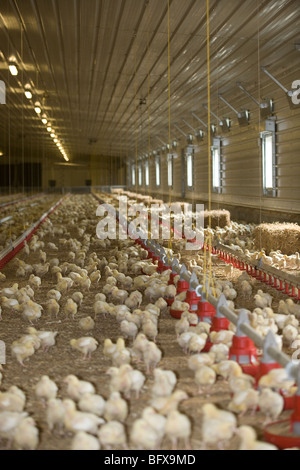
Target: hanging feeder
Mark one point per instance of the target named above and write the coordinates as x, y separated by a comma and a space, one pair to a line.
286, 434
192, 295
243, 349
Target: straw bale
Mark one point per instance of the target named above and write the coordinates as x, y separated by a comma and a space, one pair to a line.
278, 236
219, 218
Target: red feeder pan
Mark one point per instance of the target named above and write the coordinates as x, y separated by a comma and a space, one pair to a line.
182, 286
289, 402
220, 324
206, 312
282, 442
192, 299
243, 351
169, 301
172, 277
176, 314
264, 369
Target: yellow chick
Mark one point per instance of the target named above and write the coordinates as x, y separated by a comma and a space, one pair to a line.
76, 421
10, 304
85, 345
121, 354
129, 329
52, 308
84, 441
240, 383
157, 422
151, 356
271, 404
244, 401
46, 389
219, 352
198, 360
164, 383
112, 434
109, 348
227, 369
31, 311
12, 400
182, 326
248, 440
35, 281
218, 426
116, 408
205, 377
197, 343
278, 380
87, 324
71, 308
178, 426
55, 414
90, 403
78, 298
143, 436
47, 338
77, 388
22, 351
224, 337
164, 405
26, 436
9, 422
101, 308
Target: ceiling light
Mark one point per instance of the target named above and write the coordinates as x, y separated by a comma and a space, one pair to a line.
37, 107
13, 68
52, 135
1, 154
28, 93
44, 119
49, 129
66, 158
55, 141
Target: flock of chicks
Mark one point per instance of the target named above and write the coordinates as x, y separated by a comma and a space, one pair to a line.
132, 296
24, 213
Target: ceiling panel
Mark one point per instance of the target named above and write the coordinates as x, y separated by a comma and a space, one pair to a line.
91, 61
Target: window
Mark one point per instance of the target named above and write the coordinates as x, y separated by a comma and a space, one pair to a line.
216, 166
157, 171
133, 175
170, 170
268, 142
147, 176
140, 173
189, 169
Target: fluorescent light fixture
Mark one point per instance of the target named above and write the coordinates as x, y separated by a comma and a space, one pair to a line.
13, 68
28, 93
37, 107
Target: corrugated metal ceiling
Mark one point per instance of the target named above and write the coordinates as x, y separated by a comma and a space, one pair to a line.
91, 61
